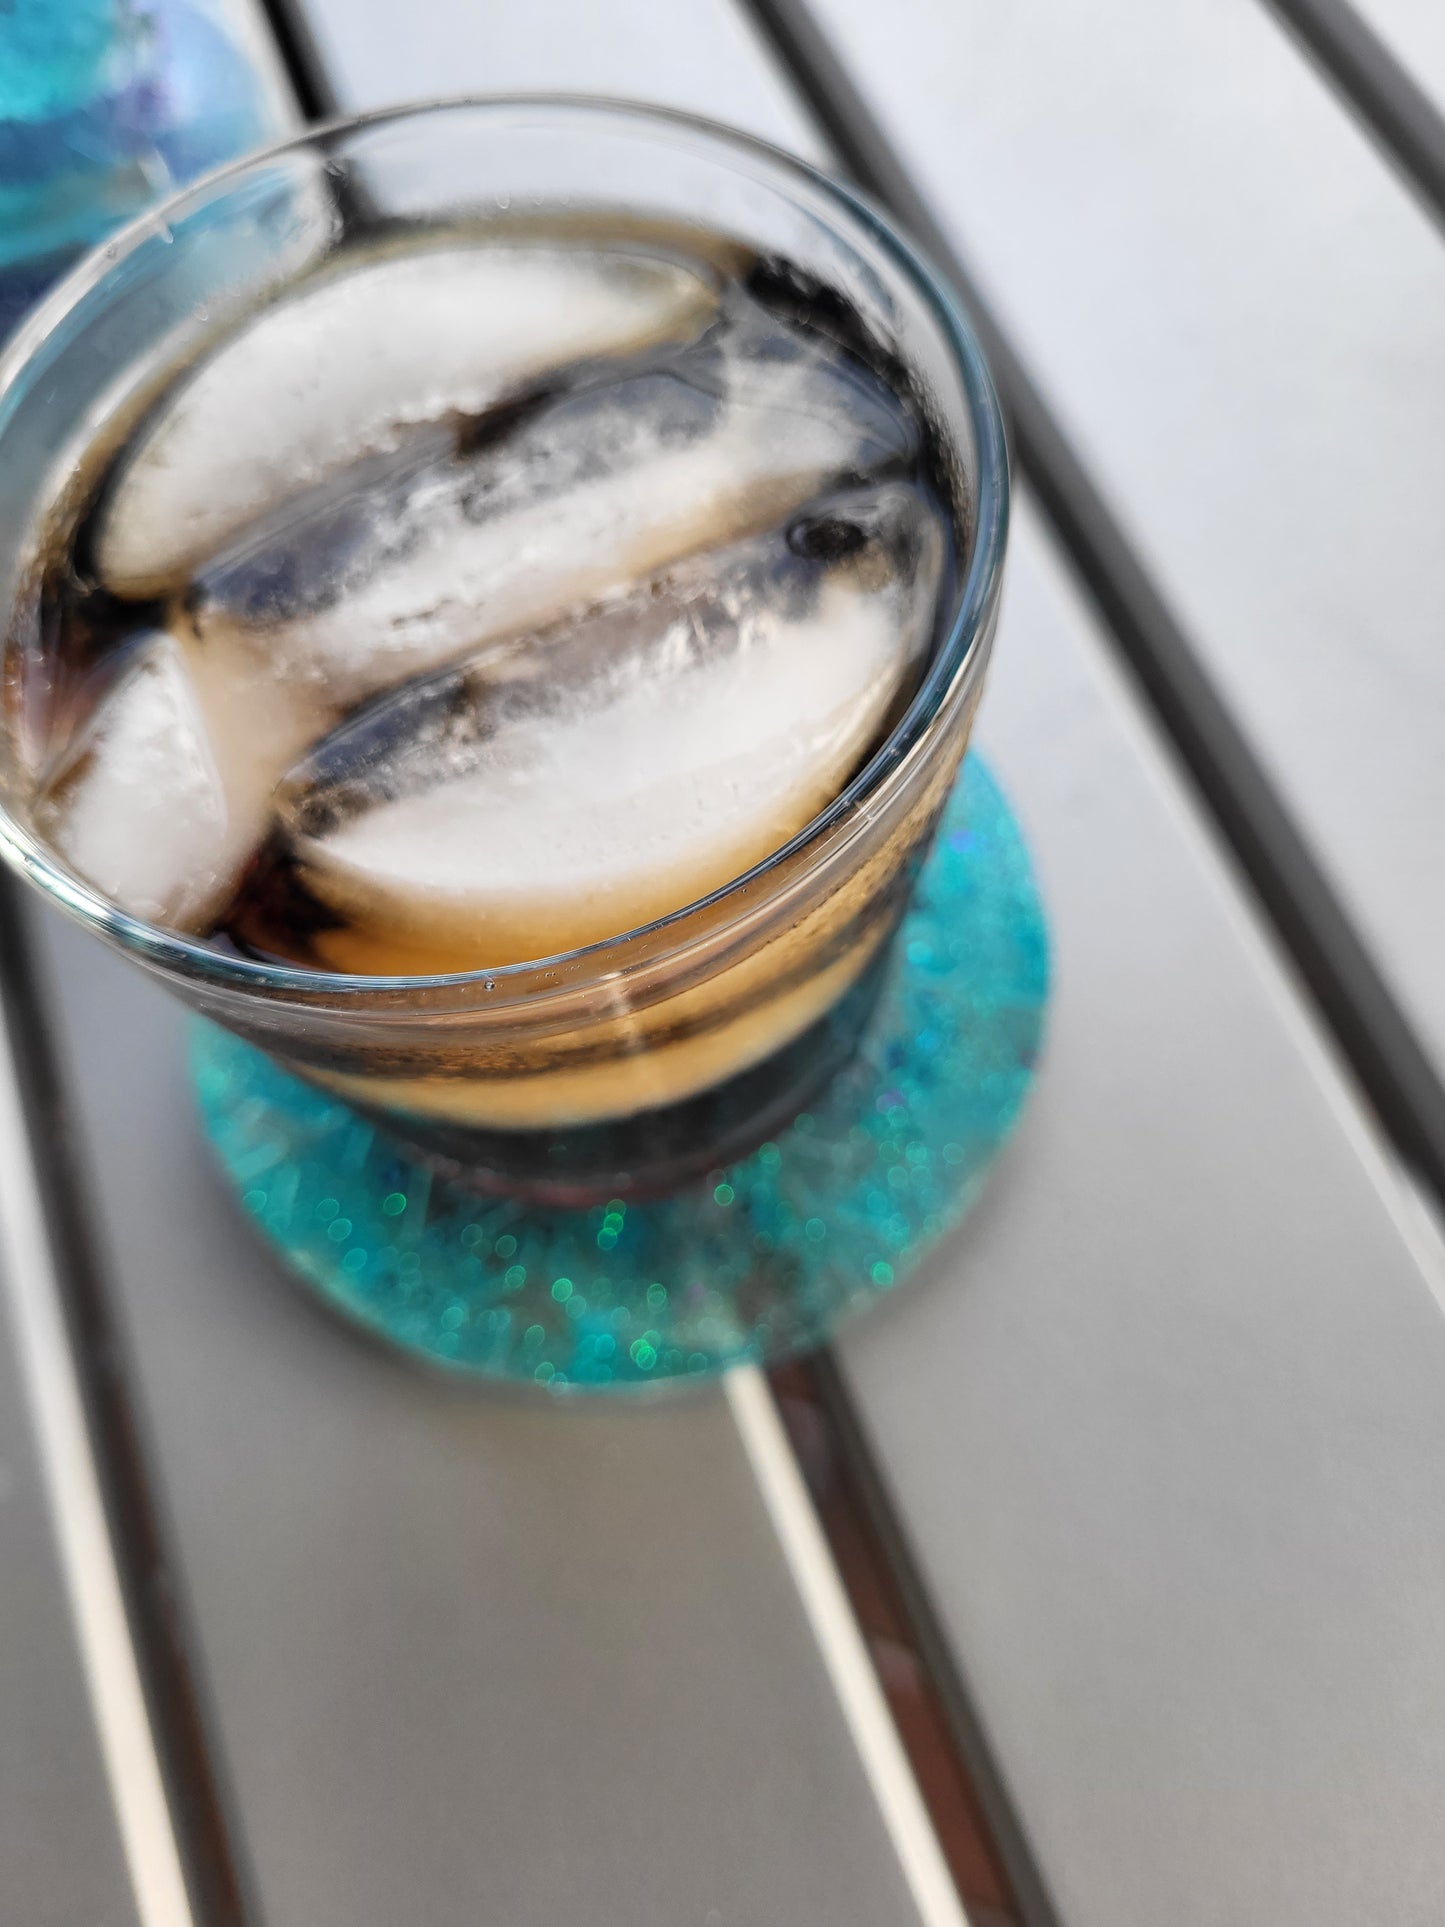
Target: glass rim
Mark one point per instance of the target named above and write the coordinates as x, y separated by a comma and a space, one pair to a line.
957, 659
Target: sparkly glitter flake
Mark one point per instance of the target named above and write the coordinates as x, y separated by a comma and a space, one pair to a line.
757, 1261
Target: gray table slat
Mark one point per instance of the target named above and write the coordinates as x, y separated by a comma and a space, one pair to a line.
61, 1863
1165, 1424
1236, 307
698, 55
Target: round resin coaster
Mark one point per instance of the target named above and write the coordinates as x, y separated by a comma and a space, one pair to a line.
762, 1258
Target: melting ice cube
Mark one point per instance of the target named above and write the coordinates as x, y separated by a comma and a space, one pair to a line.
163, 799
405, 567
342, 368
570, 785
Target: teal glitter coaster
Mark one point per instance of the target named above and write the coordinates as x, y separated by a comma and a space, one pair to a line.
760, 1260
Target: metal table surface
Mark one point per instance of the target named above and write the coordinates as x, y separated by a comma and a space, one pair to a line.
1242, 338
1157, 1447
61, 1856
1413, 31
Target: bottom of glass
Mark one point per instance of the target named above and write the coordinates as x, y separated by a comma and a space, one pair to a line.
757, 1259
652, 1153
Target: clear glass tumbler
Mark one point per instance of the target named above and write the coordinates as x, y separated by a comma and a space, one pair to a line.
634, 1062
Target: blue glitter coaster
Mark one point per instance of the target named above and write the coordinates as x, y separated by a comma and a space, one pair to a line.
761, 1260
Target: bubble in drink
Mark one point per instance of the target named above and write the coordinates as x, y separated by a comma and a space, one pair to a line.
345, 367
580, 781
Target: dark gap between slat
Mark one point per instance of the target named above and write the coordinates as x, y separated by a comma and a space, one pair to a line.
315, 96
219, 1888
1349, 991
1394, 109
898, 1631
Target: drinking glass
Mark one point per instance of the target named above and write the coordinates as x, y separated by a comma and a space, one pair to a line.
628, 1065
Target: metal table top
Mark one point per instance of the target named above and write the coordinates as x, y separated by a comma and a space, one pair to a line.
1154, 1452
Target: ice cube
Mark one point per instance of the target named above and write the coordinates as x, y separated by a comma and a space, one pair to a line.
574, 784
401, 571
344, 366
165, 796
